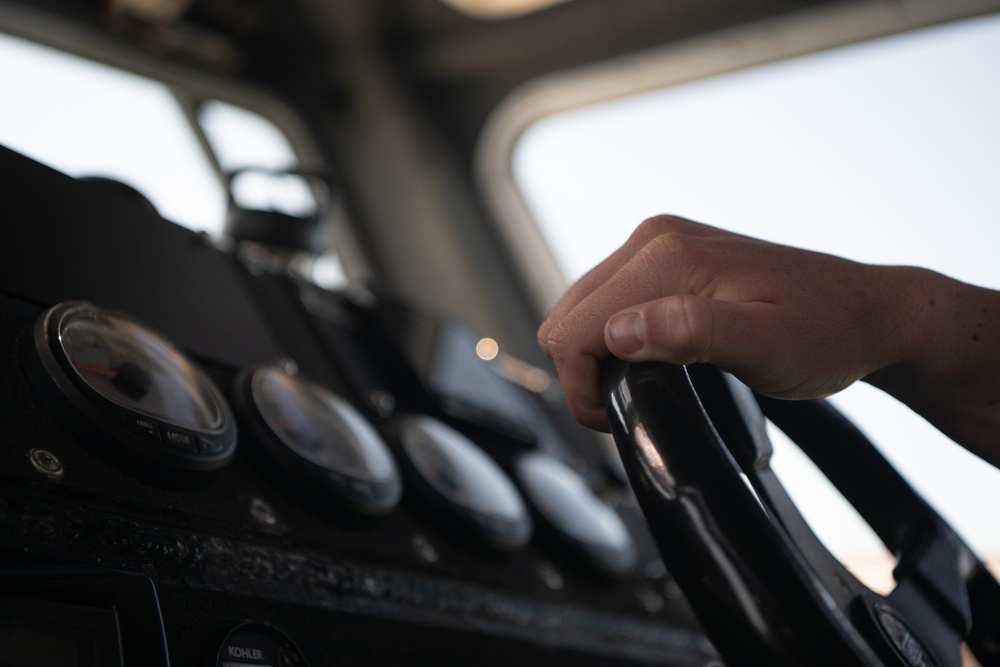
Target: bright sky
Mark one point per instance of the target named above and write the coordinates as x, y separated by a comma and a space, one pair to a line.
90, 120
885, 152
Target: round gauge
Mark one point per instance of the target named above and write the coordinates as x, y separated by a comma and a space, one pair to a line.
132, 383
252, 644
321, 436
465, 481
565, 502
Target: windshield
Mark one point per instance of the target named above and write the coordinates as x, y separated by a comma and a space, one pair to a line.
884, 151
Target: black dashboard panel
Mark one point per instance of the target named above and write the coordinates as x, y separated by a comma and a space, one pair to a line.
174, 560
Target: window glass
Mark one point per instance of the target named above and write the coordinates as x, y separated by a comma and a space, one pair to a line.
228, 128
884, 152
87, 119
251, 144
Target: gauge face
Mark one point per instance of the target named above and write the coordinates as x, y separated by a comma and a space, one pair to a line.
134, 384
135, 368
472, 485
323, 436
563, 498
253, 644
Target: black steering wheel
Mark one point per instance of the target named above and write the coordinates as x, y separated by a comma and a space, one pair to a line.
765, 589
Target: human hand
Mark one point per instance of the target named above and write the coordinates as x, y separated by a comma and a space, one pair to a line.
789, 323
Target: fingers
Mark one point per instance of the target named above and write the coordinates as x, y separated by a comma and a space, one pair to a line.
573, 337
683, 292
788, 322
647, 231
742, 338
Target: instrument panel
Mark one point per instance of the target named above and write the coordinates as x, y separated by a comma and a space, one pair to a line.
229, 466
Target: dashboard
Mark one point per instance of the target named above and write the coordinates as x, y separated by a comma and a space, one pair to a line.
209, 460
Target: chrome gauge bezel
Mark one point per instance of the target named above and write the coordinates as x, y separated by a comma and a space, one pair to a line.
362, 494
147, 436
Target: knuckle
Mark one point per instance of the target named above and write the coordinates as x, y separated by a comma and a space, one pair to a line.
647, 261
689, 327
675, 250
542, 335
657, 225
555, 337
558, 343
543, 342
669, 245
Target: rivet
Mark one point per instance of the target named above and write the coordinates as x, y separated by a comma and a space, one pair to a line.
46, 463
550, 576
649, 598
654, 569
383, 402
424, 548
671, 590
261, 511
288, 365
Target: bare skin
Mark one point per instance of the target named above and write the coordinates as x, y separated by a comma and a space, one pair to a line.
789, 323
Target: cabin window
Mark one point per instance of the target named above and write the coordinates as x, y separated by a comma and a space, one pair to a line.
89, 119
172, 144
883, 151
239, 139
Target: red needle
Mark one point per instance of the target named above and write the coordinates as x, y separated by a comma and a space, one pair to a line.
95, 368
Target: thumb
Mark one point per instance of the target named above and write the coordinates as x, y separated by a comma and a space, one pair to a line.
687, 329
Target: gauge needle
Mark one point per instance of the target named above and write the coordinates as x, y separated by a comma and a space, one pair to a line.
96, 368
129, 379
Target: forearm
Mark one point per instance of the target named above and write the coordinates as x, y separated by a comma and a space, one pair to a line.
945, 337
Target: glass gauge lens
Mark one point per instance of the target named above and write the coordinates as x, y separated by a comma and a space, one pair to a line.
133, 383
565, 501
322, 434
472, 485
137, 369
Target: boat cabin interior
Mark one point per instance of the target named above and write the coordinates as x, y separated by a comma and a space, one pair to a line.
271, 274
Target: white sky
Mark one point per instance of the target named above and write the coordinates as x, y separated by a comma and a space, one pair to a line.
885, 152
86, 119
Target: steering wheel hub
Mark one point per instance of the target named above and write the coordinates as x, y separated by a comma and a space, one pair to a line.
905, 642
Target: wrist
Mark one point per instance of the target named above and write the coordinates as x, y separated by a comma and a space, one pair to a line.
900, 331
943, 355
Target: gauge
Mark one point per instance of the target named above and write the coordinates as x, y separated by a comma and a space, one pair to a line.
258, 644
320, 437
566, 503
132, 383
460, 477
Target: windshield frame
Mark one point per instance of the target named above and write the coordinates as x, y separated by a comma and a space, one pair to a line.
801, 33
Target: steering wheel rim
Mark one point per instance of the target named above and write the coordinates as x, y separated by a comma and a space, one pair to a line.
765, 589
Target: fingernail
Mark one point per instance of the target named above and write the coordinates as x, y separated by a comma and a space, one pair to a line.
627, 332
